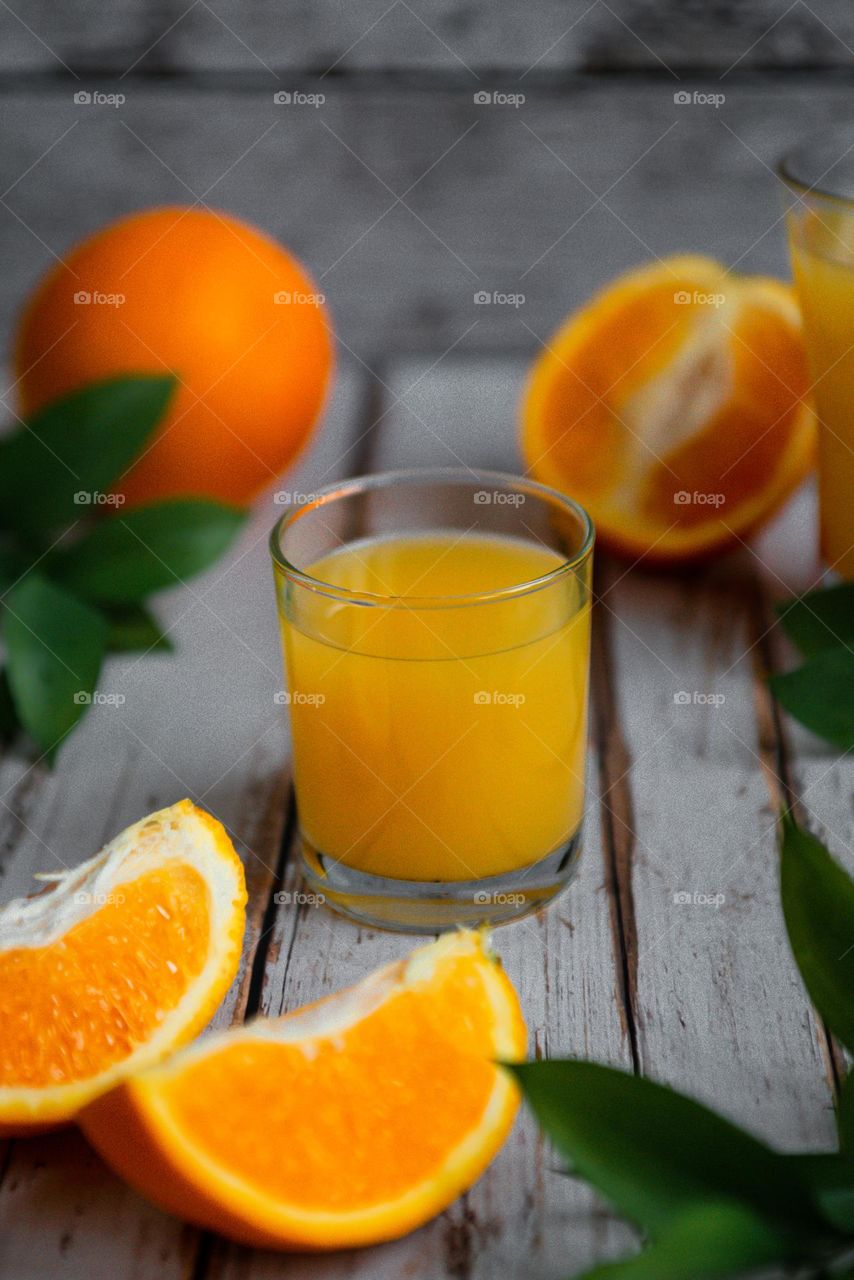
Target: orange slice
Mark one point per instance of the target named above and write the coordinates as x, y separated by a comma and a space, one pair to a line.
675, 407
117, 963
350, 1121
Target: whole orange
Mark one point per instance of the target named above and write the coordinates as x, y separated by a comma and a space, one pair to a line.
216, 302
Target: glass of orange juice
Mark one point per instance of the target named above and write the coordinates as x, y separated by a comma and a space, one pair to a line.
819, 177
436, 633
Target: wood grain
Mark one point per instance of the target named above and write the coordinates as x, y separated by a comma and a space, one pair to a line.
405, 202
720, 1007
171, 36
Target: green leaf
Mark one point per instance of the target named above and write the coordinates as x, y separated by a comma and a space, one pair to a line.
706, 1240
132, 627
54, 646
655, 1153
845, 1114
9, 723
818, 905
830, 1177
12, 564
821, 619
77, 447
821, 695
129, 556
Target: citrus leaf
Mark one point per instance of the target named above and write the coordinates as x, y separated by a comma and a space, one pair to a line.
54, 647
132, 627
127, 557
12, 564
830, 1177
820, 694
53, 470
820, 620
54, 644
706, 1240
9, 723
655, 1153
845, 1114
818, 906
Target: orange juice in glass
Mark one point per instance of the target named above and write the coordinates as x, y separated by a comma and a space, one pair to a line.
819, 176
436, 632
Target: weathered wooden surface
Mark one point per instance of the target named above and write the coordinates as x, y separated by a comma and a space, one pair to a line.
701, 993
174, 35
406, 202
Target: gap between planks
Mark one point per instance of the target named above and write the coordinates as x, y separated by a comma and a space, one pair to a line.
778, 768
617, 807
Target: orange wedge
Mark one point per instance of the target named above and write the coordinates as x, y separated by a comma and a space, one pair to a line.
675, 407
116, 964
347, 1122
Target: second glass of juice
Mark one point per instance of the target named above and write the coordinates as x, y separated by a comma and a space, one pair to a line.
436, 631
819, 175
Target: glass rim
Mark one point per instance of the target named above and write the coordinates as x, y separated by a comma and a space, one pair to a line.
431, 475
786, 169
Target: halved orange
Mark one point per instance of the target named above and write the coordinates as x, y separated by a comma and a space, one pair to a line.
675, 406
118, 962
347, 1122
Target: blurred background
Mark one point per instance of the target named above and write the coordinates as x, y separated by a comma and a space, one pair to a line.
428, 151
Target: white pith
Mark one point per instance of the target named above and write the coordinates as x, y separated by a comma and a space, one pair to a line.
175, 834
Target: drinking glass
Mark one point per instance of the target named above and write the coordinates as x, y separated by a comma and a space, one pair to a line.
819, 179
436, 634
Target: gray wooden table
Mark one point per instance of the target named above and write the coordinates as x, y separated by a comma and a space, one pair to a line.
406, 197
681, 801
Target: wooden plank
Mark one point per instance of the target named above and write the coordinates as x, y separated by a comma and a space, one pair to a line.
812, 775
501, 200
719, 1006
389, 34
820, 776
203, 723
523, 1219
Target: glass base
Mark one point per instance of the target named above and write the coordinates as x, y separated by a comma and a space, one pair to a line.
426, 906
